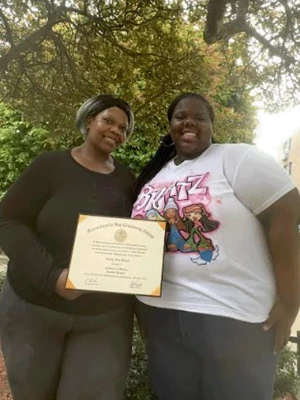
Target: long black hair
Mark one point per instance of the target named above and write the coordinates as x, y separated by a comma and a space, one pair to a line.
167, 150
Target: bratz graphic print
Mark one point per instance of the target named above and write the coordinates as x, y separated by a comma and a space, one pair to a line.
185, 206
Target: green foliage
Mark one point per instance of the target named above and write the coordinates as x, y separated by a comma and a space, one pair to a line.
287, 380
21, 142
266, 35
153, 55
67, 50
136, 153
138, 384
2, 277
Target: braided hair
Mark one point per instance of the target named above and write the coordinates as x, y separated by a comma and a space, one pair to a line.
167, 150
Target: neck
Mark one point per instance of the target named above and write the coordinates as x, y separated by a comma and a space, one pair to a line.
92, 159
90, 154
183, 157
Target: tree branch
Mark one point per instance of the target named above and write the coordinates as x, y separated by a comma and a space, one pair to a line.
274, 51
31, 41
216, 30
214, 20
56, 38
243, 8
60, 15
7, 29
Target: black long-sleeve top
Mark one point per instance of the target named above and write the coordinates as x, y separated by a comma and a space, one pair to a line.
38, 218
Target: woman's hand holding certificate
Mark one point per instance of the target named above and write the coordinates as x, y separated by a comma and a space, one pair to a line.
117, 255
60, 287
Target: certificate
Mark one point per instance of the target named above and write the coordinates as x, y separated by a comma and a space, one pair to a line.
117, 255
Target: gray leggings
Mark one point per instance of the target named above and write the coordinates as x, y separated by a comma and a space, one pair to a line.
55, 356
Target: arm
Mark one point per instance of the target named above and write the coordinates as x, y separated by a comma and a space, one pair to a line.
19, 210
281, 221
267, 191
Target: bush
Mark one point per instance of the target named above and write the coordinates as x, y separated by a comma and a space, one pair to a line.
2, 277
287, 380
138, 383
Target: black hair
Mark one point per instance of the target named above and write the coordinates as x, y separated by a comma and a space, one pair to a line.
167, 150
205, 102
97, 104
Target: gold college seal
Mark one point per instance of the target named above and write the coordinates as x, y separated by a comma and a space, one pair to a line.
120, 235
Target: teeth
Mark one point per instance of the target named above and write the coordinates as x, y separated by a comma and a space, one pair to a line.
189, 134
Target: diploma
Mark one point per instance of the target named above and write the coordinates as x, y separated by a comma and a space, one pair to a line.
117, 255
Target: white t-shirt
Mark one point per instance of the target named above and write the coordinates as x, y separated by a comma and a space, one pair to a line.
217, 260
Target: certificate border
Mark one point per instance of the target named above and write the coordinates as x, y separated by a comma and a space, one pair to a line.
103, 291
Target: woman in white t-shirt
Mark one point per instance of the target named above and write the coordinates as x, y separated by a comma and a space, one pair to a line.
230, 289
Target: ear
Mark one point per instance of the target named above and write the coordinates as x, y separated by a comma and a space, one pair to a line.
170, 132
88, 122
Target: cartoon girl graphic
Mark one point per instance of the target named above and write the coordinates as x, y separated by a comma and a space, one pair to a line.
175, 240
153, 215
197, 220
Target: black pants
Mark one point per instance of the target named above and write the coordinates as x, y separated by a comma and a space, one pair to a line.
204, 357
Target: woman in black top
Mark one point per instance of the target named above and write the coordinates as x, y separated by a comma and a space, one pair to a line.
61, 344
